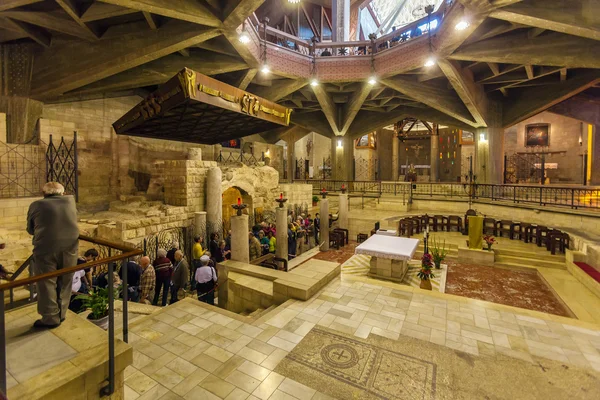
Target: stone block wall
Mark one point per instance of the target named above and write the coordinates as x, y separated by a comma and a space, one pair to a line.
296, 193
185, 182
14, 212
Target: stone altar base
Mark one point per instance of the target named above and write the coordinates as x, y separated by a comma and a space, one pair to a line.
385, 268
474, 256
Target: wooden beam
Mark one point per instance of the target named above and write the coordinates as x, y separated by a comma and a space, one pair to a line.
533, 32
75, 12
150, 20
551, 49
471, 94
58, 71
9, 4
531, 101
219, 45
98, 11
49, 21
246, 78
8, 35
529, 71
38, 35
563, 74
434, 96
236, 11
184, 52
191, 11
566, 17
280, 89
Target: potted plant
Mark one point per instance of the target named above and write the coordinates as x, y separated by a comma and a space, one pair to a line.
438, 254
425, 273
489, 241
97, 302
315, 200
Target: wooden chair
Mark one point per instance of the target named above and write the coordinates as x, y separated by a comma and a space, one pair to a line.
344, 233
541, 233
454, 221
417, 225
438, 222
361, 237
468, 214
489, 226
405, 227
504, 227
521, 230
557, 240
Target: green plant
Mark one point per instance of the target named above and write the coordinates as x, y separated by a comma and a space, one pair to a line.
426, 263
97, 301
438, 254
315, 199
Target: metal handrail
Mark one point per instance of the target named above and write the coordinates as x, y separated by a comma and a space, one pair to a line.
127, 253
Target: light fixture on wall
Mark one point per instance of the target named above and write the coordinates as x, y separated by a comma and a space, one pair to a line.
482, 137
293, 1
373, 78
244, 38
462, 25
339, 144
265, 66
430, 62
581, 133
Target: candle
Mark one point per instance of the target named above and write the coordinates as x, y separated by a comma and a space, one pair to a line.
280, 196
343, 186
239, 201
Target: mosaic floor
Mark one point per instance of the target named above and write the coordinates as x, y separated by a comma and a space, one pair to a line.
504, 286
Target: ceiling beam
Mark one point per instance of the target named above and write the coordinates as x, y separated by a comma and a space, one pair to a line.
279, 89
37, 34
245, 79
98, 11
531, 101
9, 4
235, 11
551, 49
75, 12
49, 21
58, 71
191, 11
434, 96
566, 17
329, 108
471, 94
352, 107
150, 20
315, 123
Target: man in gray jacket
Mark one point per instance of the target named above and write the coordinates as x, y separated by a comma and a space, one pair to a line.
53, 223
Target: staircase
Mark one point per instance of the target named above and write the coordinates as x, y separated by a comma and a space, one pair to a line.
516, 258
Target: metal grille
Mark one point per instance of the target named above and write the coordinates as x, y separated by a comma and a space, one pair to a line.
61, 165
22, 170
365, 169
236, 158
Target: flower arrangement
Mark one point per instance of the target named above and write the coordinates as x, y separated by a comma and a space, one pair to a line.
438, 254
426, 264
489, 240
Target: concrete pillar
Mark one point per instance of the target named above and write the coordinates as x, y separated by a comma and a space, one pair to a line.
214, 201
395, 157
385, 158
434, 158
348, 151
281, 249
489, 148
343, 210
239, 238
324, 233
595, 156
291, 161
200, 223
340, 10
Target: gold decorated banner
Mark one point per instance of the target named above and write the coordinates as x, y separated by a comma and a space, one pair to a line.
475, 232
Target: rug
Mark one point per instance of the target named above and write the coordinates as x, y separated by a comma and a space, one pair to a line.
346, 367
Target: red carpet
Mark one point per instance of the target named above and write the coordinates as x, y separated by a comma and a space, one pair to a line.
588, 269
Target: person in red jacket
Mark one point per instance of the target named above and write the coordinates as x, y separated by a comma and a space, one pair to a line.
163, 269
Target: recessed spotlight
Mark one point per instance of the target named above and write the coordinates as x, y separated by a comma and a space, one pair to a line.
462, 25
372, 80
265, 69
314, 82
430, 61
244, 38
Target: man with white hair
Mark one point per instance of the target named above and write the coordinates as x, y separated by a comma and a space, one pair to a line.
53, 223
206, 278
163, 269
147, 281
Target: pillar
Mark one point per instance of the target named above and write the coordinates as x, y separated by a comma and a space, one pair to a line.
340, 10
239, 238
395, 157
214, 201
594, 155
343, 210
385, 158
489, 148
200, 223
348, 158
435, 156
291, 161
324, 232
281, 249
342, 158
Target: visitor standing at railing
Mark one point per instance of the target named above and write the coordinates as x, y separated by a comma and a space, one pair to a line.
206, 280
53, 223
181, 276
163, 268
147, 281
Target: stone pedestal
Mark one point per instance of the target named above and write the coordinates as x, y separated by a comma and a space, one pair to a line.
324, 229
239, 238
385, 268
214, 201
343, 210
474, 256
281, 249
200, 223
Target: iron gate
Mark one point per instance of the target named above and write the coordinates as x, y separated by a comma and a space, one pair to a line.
61, 165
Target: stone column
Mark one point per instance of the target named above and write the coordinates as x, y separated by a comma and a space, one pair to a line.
324, 233
291, 161
239, 238
343, 210
200, 223
214, 201
489, 148
395, 157
595, 156
281, 249
434, 157
348, 150
340, 10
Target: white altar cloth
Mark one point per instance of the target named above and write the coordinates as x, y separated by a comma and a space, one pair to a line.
390, 247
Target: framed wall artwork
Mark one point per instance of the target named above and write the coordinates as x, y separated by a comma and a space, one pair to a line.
466, 138
367, 141
537, 135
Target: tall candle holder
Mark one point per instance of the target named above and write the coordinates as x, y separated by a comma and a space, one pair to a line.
281, 200
324, 193
239, 206
343, 188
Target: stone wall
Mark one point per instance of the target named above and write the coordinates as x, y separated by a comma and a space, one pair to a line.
296, 193
185, 183
14, 212
260, 183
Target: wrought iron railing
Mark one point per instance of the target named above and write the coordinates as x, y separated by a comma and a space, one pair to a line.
235, 157
110, 261
542, 195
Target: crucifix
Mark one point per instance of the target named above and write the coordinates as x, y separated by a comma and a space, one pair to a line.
417, 148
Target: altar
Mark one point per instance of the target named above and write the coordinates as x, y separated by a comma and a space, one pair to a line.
389, 255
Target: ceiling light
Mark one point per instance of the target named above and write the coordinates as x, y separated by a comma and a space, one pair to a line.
293, 1
314, 82
462, 25
244, 38
430, 61
372, 80
265, 69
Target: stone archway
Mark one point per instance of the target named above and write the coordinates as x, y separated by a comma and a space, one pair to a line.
230, 197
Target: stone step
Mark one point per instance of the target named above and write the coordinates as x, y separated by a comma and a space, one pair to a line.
539, 253
256, 312
528, 262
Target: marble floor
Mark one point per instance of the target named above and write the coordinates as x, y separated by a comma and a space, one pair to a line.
193, 351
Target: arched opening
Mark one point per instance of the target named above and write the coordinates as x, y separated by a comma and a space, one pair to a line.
230, 197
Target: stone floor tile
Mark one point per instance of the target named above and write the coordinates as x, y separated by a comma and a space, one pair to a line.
461, 339
309, 318
190, 382
548, 354
140, 382
252, 355
327, 320
274, 359
167, 377
243, 381
129, 393
254, 370
217, 386
340, 313
199, 393
363, 331
481, 322
347, 322
342, 328
171, 396
218, 340
158, 363
415, 334
279, 395
267, 333
500, 339
518, 343
218, 353
477, 336
155, 393
140, 360
525, 356
262, 347
239, 344
190, 328
129, 370
206, 362
321, 396
375, 322
462, 347
268, 386
486, 349
296, 389
281, 343
229, 334
188, 339
506, 329
453, 327
182, 367
200, 323
280, 320
176, 347
237, 394
289, 336
385, 333
293, 325
150, 349
438, 337
228, 367
196, 351
304, 328
395, 325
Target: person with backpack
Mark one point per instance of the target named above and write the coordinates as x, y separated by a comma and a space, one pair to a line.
206, 281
